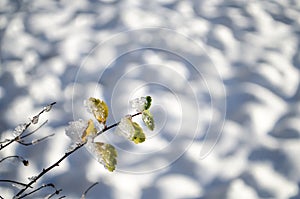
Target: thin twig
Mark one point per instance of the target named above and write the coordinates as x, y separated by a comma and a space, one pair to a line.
44, 171
88, 189
53, 194
35, 141
35, 130
32, 121
20, 158
16, 182
41, 187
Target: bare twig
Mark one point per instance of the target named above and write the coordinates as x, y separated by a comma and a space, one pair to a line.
33, 142
41, 187
53, 194
20, 158
15, 182
88, 189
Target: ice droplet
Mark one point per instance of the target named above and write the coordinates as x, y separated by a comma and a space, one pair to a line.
35, 119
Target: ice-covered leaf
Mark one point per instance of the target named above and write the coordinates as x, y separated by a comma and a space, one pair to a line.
75, 130
125, 127
106, 154
131, 130
98, 108
138, 136
141, 104
90, 131
148, 119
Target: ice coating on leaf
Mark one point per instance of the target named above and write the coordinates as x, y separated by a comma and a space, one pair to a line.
75, 130
106, 154
90, 131
141, 104
138, 104
98, 108
148, 119
138, 136
125, 127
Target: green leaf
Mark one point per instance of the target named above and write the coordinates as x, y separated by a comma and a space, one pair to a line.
106, 154
148, 102
99, 109
148, 119
138, 136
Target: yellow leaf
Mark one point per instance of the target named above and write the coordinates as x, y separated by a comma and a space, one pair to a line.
106, 154
138, 136
89, 131
99, 109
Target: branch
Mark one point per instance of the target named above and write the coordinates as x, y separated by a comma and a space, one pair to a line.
21, 128
15, 182
44, 171
41, 187
88, 189
20, 158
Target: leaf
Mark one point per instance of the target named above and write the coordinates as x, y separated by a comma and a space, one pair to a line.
148, 119
138, 136
99, 109
90, 131
148, 102
125, 127
106, 154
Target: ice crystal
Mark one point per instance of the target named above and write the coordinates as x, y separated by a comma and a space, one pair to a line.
98, 108
104, 153
138, 104
125, 127
20, 129
75, 130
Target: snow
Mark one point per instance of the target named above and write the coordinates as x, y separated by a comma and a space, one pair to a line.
223, 76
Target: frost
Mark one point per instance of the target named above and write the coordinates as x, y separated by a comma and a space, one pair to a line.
32, 178
47, 108
130, 130
106, 154
141, 104
75, 130
98, 108
20, 129
125, 127
18, 186
148, 119
138, 104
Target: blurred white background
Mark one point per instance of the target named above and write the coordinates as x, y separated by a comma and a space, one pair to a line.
223, 75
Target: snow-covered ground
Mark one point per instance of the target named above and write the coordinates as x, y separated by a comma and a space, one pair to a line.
223, 75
